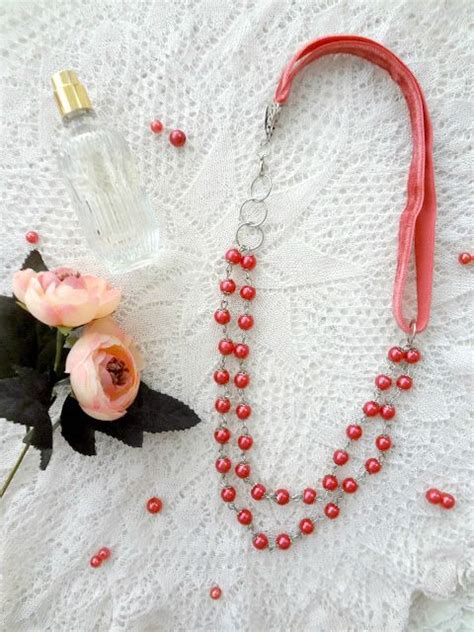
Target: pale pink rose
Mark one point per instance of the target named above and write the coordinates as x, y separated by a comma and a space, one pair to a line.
104, 366
64, 297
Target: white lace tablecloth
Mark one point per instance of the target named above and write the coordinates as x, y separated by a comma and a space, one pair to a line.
339, 162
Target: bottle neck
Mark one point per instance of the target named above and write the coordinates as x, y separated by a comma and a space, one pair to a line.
80, 120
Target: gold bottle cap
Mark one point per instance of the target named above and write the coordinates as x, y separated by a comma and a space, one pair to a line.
69, 93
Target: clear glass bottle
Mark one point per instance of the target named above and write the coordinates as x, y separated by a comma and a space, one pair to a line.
97, 165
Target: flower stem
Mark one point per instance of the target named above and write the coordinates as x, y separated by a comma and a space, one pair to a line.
59, 348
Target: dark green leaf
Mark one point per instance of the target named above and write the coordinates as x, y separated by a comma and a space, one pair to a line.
34, 261
76, 427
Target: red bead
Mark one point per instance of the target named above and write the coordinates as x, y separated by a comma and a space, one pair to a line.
227, 286
309, 495
177, 137
404, 382
245, 322
32, 237
464, 258
221, 376
243, 411
222, 435
222, 316
433, 496
354, 432
283, 541
349, 485
245, 442
104, 553
248, 262
156, 126
222, 405
331, 510
447, 501
226, 346
306, 526
260, 541
215, 593
245, 516
258, 491
330, 482
228, 494
383, 382
247, 292
282, 496
396, 354
371, 409
241, 350
154, 505
242, 470
373, 466
340, 457
383, 443
223, 465
233, 256
413, 356
95, 561
387, 411
241, 379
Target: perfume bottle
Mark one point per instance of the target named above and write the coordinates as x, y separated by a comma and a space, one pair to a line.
97, 165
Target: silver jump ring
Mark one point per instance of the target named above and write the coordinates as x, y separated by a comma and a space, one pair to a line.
247, 204
412, 335
247, 246
266, 182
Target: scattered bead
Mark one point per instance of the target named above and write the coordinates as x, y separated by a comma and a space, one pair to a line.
245, 442
154, 505
433, 496
383, 382
227, 286
349, 485
242, 470
260, 541
306, 526
221, 376
354, 432
387, 411
247, 292
222, 405
156, 126
245, 322
233, 256
404, 382
465, 258
373, 466
283, 541
331, 510
241, 379
413, 356
371, 409
32, 237
340, 457
243, 411
104, 553
383, 443
309, 495
226, 346
396, 354
177, 137
258, 491
447, 501
95, 561
330, 482
248, 262
222, 316
223, 465
241, 350
215, 593
228, 494
282, 496
222, 435
245, 516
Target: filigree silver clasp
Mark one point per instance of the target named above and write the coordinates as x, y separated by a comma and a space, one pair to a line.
271, 117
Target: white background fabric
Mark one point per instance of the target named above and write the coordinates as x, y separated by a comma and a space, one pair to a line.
339, 162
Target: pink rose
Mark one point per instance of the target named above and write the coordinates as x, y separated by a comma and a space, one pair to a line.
104, 370
64, 297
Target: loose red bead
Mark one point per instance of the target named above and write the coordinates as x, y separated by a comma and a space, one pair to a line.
447, 501
243, 411
330, 482
241, 350
387, 411
258, 491
354, 432
228, 494
222, 435
223, 465
222, 316
177, 137
248, 262
464, 258
156, 126
331, 510
215, 593
371, 409
349, 485
433, 496
306, 526
260, 541
233, 256
242, 470
283, 541
95, 561
226, 346
413, 356
223, 405
104, 553
32, 237
396, 354
383, 443
373, 466
282, 496
309, 495
404, 382
221, 376
247, 292
154, 505
245, 442
383, 382
227, 286
245, 516
245, 322
241, 379
340, 457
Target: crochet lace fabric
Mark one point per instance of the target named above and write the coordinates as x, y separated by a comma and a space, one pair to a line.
339, 162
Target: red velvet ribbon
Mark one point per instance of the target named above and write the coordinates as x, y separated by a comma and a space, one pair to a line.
417, 222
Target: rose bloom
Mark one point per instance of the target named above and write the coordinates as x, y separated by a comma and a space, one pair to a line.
64, 297
104, 369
